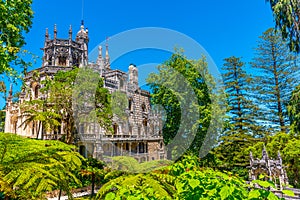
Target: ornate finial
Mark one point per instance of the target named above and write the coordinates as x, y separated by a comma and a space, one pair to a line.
100, 51
82, 22
47, 34
10, 90
106, 52
70, 32
55, 31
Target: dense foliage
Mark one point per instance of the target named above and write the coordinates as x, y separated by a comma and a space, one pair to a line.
287, 15
70, 98
184, 89
294, 111
30, 167
274, 79
182, 180
15, 20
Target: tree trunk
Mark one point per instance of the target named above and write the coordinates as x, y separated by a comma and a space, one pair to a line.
59, 195
38, 129
93, 184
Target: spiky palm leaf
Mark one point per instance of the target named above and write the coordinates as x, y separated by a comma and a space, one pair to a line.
36, 166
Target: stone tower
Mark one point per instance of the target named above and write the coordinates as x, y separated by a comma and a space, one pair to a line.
66, 52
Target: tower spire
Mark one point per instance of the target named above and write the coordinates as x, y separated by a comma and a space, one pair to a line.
70, 32
106, 49
55, 31
107, 61
100, 51
10, 93
46, 34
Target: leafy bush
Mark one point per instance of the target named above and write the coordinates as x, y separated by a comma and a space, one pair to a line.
182, 180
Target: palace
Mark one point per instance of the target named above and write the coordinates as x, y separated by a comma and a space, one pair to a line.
138, 136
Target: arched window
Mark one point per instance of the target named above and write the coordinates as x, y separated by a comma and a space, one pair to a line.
130, 104
115, 127
145, 122
130, 130
143, 107
36, 91
62, 61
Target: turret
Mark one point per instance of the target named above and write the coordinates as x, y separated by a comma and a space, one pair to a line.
83, 38
133, 75
66, 52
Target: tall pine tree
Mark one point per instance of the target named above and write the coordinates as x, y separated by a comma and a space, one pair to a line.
275, 68
241, 108
242, 130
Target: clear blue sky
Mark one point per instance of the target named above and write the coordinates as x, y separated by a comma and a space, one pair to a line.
223, 28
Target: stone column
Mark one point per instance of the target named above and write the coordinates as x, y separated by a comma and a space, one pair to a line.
122, 148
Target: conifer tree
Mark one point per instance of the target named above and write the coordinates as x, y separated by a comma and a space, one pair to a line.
275, 67
242, 128
294, 111
241, 107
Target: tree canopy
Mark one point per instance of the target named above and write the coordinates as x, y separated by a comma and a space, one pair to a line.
36, 166
287, 17
15, 20
181, 89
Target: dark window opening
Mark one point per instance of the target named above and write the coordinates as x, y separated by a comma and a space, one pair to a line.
130, 130
143, 107
36, 91
62, 60
115, 127
130, 104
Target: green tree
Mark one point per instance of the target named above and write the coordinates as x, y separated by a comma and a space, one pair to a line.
182, 91
287, 15
94, 169
294, 111
15, 20
3, 89
274, 79
241, 108
243, 129
38, 113
36, 166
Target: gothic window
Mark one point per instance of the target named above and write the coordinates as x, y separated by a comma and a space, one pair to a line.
145, 122
62, 61
130, 130
141, 148
130, 102
81, 128
145, 126
121, 83
161, 145
115, 127
36, 91
143, 107
50, 60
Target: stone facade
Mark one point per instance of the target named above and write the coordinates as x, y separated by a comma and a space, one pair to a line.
137, 135
274, 171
